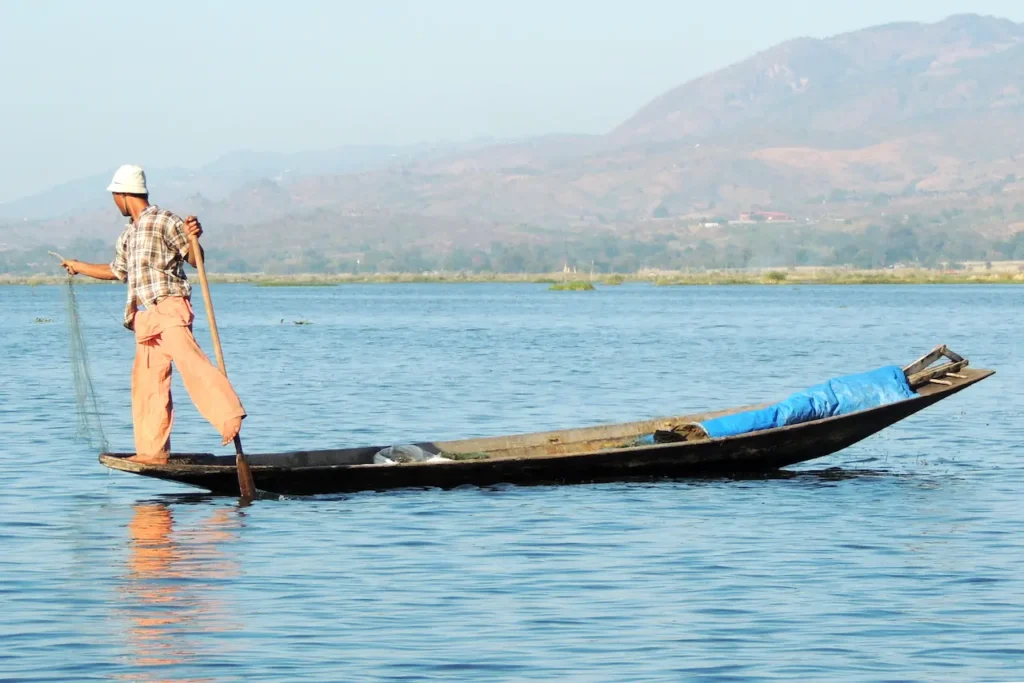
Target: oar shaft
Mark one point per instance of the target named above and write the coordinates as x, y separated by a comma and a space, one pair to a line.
208, 301
246, 486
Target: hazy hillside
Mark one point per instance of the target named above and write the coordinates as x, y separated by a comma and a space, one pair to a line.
222, 176
906, 112
905, 126
865, 86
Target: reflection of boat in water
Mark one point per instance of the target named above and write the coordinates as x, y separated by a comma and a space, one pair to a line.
746, 440
164, 596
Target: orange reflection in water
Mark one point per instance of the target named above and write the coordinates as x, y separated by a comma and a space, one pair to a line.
170, 586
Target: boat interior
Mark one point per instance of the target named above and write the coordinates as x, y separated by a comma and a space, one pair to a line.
939, 371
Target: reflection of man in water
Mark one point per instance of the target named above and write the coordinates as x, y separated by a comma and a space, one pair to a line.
161, 602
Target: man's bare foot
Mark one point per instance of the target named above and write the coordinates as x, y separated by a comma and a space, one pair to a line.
156, 459
230, 430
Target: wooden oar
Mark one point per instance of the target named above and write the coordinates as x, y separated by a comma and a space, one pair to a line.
246, 487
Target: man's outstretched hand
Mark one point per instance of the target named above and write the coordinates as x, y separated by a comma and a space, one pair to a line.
99, 271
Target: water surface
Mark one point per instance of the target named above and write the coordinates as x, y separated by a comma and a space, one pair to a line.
897, 559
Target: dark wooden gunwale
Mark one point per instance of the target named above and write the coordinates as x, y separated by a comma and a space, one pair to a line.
548, 457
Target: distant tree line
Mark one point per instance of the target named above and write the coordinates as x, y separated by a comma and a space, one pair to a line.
909, 242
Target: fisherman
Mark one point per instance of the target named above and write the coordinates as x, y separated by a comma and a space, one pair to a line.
150, 255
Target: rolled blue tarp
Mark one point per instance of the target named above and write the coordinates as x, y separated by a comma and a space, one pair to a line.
837, 396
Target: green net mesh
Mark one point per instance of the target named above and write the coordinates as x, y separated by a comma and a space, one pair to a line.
90, 427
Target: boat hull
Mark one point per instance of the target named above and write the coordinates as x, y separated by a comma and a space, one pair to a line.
292, 474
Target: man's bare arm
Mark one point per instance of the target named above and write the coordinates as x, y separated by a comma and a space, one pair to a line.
190, 258
193, 228
98, 271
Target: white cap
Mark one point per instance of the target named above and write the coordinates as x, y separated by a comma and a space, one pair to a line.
129, 179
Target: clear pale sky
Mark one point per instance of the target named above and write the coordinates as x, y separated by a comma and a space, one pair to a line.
87, 85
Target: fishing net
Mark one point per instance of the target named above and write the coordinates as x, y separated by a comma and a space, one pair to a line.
90, 427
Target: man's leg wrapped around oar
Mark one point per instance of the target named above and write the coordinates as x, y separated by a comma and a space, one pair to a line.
164, 335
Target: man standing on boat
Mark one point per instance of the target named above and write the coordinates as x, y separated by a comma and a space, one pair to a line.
149, 256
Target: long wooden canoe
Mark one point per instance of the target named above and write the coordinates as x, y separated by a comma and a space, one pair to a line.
592, 454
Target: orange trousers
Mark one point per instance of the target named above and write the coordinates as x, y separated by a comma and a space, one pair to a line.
163, 335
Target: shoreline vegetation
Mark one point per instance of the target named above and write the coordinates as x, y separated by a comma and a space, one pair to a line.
562, 281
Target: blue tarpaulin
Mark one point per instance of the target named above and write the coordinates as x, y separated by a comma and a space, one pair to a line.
837, 396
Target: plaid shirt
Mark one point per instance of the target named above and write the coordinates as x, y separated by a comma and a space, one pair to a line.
149, 256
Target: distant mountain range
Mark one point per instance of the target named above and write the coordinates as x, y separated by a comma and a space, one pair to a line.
219, 178
901, 118
858, 88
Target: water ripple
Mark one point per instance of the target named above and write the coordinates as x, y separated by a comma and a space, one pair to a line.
898, 559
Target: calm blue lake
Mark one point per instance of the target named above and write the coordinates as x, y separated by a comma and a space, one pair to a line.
898, 559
